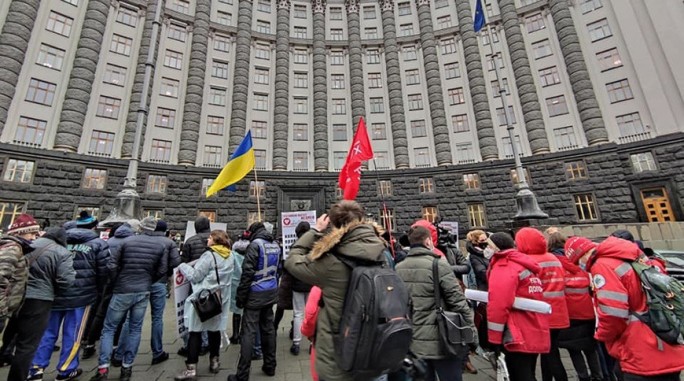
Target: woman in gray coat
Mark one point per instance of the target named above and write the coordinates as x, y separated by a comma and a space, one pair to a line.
202, 276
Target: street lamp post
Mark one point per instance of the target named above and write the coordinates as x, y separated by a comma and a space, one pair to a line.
127, 204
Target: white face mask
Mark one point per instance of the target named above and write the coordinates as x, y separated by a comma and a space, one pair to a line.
488, 253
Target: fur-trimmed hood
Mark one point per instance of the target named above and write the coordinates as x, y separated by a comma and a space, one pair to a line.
357, 239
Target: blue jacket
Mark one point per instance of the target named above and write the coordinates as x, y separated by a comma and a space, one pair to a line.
90, 255
259, 283
120, 235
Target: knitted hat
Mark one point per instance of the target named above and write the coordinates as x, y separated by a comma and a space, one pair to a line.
161, 226
269, 227
134, 224
85, 220
576, 247
148, 224
502, 240
23, 224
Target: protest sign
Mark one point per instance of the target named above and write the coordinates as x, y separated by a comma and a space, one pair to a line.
289, 222
181, 291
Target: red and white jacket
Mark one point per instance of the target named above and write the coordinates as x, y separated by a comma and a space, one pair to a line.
512, 274
577, 295
617, 297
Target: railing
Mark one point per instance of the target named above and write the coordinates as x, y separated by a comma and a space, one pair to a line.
635, 137
211, 165
26, 144
568, 147
467, 161
101, 154
300, 169
417, 166
161, 161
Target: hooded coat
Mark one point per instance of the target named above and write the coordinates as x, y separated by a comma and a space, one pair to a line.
51, 267
124, 231
196, 245
312, 259
141, 261
245, 297
458, 262
13, 274
480, 264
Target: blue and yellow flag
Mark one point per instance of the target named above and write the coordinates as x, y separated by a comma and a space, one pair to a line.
479, 21
240, 163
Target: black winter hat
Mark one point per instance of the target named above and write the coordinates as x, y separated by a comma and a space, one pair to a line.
161, 226
624, 234
302, 227
502, 240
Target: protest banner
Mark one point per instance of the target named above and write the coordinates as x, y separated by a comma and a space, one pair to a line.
190, 228
289, 222
181, 291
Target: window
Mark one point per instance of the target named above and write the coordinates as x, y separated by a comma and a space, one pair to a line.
264, 6
260, 102
460, 123
444, 22
19, 171
59, 24
300, 32
263, 26
257, 188
590, 5
385, 188
217, 96
212, 156
387, 218
101, 143
415, 102
260, 158
497, 91
374, 80
379, 131
300, 132
465, 153
502, 117
542, 49
30, 131
508, 148
599, 30
258, 128
404, 8
380, 160
619, 91
127, 16
179, 33
261, 76
369, 12
452, 70
448, 46
441, 4
161, 151
9, 211
406, 29
206, 184
371, 33
485, 38
516, 181
412, 77
575, 170
215, 125
300, 11
430, 213
108, 107
165, 117
490, 62
221, 43
471, 181
456, 96
262, 52
182, 6
534, 23
300, 56
253, 217
336, 57
173, 59
339, 106
210, 214
372, 56
585, 205
301, 80
409, 53
426, 185
301, 105
565, 138
336, 34
50, 57
337, 81
121, 45
157, 214
631, 125
421, 156
642, 162
74, 3
377, 105
300, 161
335, 13
549, 76
339, 157
609, 59
169, 87
156, 184
418, 128
224, 18
476, 215
219, 69
557, 105
94, 178
116, 75
41, 92
92, 210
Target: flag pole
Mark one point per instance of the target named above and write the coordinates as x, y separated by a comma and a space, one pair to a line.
388, 222
257, 188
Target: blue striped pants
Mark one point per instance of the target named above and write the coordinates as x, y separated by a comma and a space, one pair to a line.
71, 323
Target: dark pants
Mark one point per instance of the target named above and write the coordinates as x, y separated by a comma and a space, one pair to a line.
31, 322
195, 345
551, 364
662, 377
254, 320
446, 369
592, 359
521, 366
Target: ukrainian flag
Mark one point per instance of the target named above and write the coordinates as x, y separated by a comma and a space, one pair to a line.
241, 162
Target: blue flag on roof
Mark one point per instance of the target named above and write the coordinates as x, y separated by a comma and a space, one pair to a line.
479, 21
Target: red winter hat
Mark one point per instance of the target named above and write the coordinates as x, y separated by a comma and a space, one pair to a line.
576, 247
23, 224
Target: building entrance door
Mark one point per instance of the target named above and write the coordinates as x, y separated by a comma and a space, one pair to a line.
657, 205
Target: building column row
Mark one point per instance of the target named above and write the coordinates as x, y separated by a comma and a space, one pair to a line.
238, 117
358, 97
282, 87
320, 89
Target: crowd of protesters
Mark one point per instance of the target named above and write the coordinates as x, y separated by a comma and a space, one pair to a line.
66, 282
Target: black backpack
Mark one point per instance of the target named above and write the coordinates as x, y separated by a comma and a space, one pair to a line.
375, 330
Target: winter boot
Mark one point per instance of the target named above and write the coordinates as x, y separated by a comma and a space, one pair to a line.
214, 365
188, 374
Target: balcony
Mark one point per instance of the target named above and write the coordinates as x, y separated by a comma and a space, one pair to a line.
568, 147
635, 137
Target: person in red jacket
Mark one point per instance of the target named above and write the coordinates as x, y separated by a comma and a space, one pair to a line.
309, 325
618, 295
523, 334
532, 242
578, 339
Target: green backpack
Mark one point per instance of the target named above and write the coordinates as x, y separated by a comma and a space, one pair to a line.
665, 302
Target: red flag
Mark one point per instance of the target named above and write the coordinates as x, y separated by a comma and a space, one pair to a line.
360, 150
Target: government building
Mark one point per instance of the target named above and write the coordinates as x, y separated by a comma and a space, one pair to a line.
592, 87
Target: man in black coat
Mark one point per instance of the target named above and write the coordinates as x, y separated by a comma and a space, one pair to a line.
196, 245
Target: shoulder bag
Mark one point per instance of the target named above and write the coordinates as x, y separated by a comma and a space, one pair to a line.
209, 304
454, 332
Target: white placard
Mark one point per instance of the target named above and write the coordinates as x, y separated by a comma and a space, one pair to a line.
452, 226
181, 291
190, 228
524, 304
289, 222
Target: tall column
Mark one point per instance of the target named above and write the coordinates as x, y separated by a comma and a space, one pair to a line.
534, 122
282, 87
587, 105
139, 80
477, 83
396, 98
80, 85
14, 40
440, 131
192, 109
238, 117
320, 127
358, 99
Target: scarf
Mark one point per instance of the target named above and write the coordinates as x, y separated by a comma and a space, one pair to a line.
221, 250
